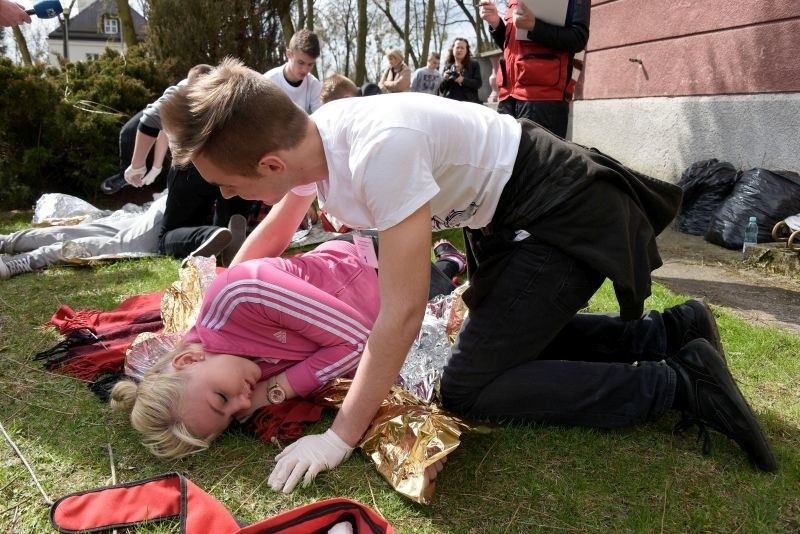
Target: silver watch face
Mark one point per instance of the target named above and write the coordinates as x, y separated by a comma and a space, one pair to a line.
276, 395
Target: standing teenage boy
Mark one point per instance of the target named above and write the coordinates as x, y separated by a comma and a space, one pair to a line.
294, 77
427, 79
547, 222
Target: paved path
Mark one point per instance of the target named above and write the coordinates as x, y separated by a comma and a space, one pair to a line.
695, 267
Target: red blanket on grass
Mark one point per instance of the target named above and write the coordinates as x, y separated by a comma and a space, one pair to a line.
96, 341
94, 350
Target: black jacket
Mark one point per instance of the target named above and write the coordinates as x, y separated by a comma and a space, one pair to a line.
468, 90
586, 204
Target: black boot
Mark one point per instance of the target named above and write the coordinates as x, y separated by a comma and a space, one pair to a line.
113, 184
712, 399
691, 320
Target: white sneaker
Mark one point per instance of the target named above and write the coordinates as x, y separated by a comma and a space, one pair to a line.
213, 245
9, 268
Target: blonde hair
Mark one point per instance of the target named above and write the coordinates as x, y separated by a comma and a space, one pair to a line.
152, 404
233, 116
396, 54
337, 86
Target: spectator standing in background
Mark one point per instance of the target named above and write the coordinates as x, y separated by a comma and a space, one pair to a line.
428, 78
462, 74
397, 77
294, 77
529, 67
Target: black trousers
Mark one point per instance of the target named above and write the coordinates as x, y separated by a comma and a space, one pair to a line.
195, 209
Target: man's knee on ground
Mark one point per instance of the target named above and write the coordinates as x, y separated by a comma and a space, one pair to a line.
457, 395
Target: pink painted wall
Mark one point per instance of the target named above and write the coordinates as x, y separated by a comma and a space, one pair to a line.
692, 48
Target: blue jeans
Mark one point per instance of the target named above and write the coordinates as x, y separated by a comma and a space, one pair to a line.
525, 355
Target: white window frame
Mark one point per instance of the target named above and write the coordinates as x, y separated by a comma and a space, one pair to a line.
110, 23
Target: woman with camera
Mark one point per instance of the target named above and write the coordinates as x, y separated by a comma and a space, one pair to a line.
461, 78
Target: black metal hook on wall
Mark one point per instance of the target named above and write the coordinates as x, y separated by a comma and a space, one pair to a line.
641, 64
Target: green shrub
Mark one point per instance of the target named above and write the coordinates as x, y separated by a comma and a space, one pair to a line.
59, 128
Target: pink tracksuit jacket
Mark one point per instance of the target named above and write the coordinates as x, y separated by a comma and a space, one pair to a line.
309, 315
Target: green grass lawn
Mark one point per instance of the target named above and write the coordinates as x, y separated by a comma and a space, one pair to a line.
549, 479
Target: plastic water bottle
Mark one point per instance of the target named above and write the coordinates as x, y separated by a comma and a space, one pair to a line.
750, 234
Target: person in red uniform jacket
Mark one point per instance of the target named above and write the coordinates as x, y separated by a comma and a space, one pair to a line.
535, 76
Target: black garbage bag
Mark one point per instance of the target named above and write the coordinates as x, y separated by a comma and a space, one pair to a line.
706, 184
770, 196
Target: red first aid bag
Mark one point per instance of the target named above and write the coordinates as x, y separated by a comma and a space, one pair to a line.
174, 497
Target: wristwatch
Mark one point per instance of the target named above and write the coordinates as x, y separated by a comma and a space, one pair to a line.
276, 394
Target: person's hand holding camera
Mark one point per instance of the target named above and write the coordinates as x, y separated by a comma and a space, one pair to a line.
452, 74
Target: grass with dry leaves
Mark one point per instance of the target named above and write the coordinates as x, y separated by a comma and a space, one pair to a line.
520, 479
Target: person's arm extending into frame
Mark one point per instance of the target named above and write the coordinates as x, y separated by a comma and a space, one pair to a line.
12, 14
497, 27
159, 153
272, 235
404, 275
138, 167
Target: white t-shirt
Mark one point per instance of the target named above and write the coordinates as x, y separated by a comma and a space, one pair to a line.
390, 154
306, 95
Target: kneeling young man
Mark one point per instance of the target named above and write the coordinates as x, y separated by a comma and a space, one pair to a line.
547, 221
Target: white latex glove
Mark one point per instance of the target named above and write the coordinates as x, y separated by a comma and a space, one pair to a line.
308, 455
151, 176
134, 176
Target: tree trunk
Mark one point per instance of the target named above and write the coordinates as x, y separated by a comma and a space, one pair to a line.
284, 9
310, 15
430, 10
126, 24
361, 44
406, 29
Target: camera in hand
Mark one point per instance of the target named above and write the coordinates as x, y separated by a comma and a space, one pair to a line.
451, 72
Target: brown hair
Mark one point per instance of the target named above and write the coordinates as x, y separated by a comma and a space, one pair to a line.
451, 59
198, 70
233, 116
305, 41
337, 86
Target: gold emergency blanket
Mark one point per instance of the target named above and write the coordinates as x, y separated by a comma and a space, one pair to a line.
406, 437
180, 307
182, 300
